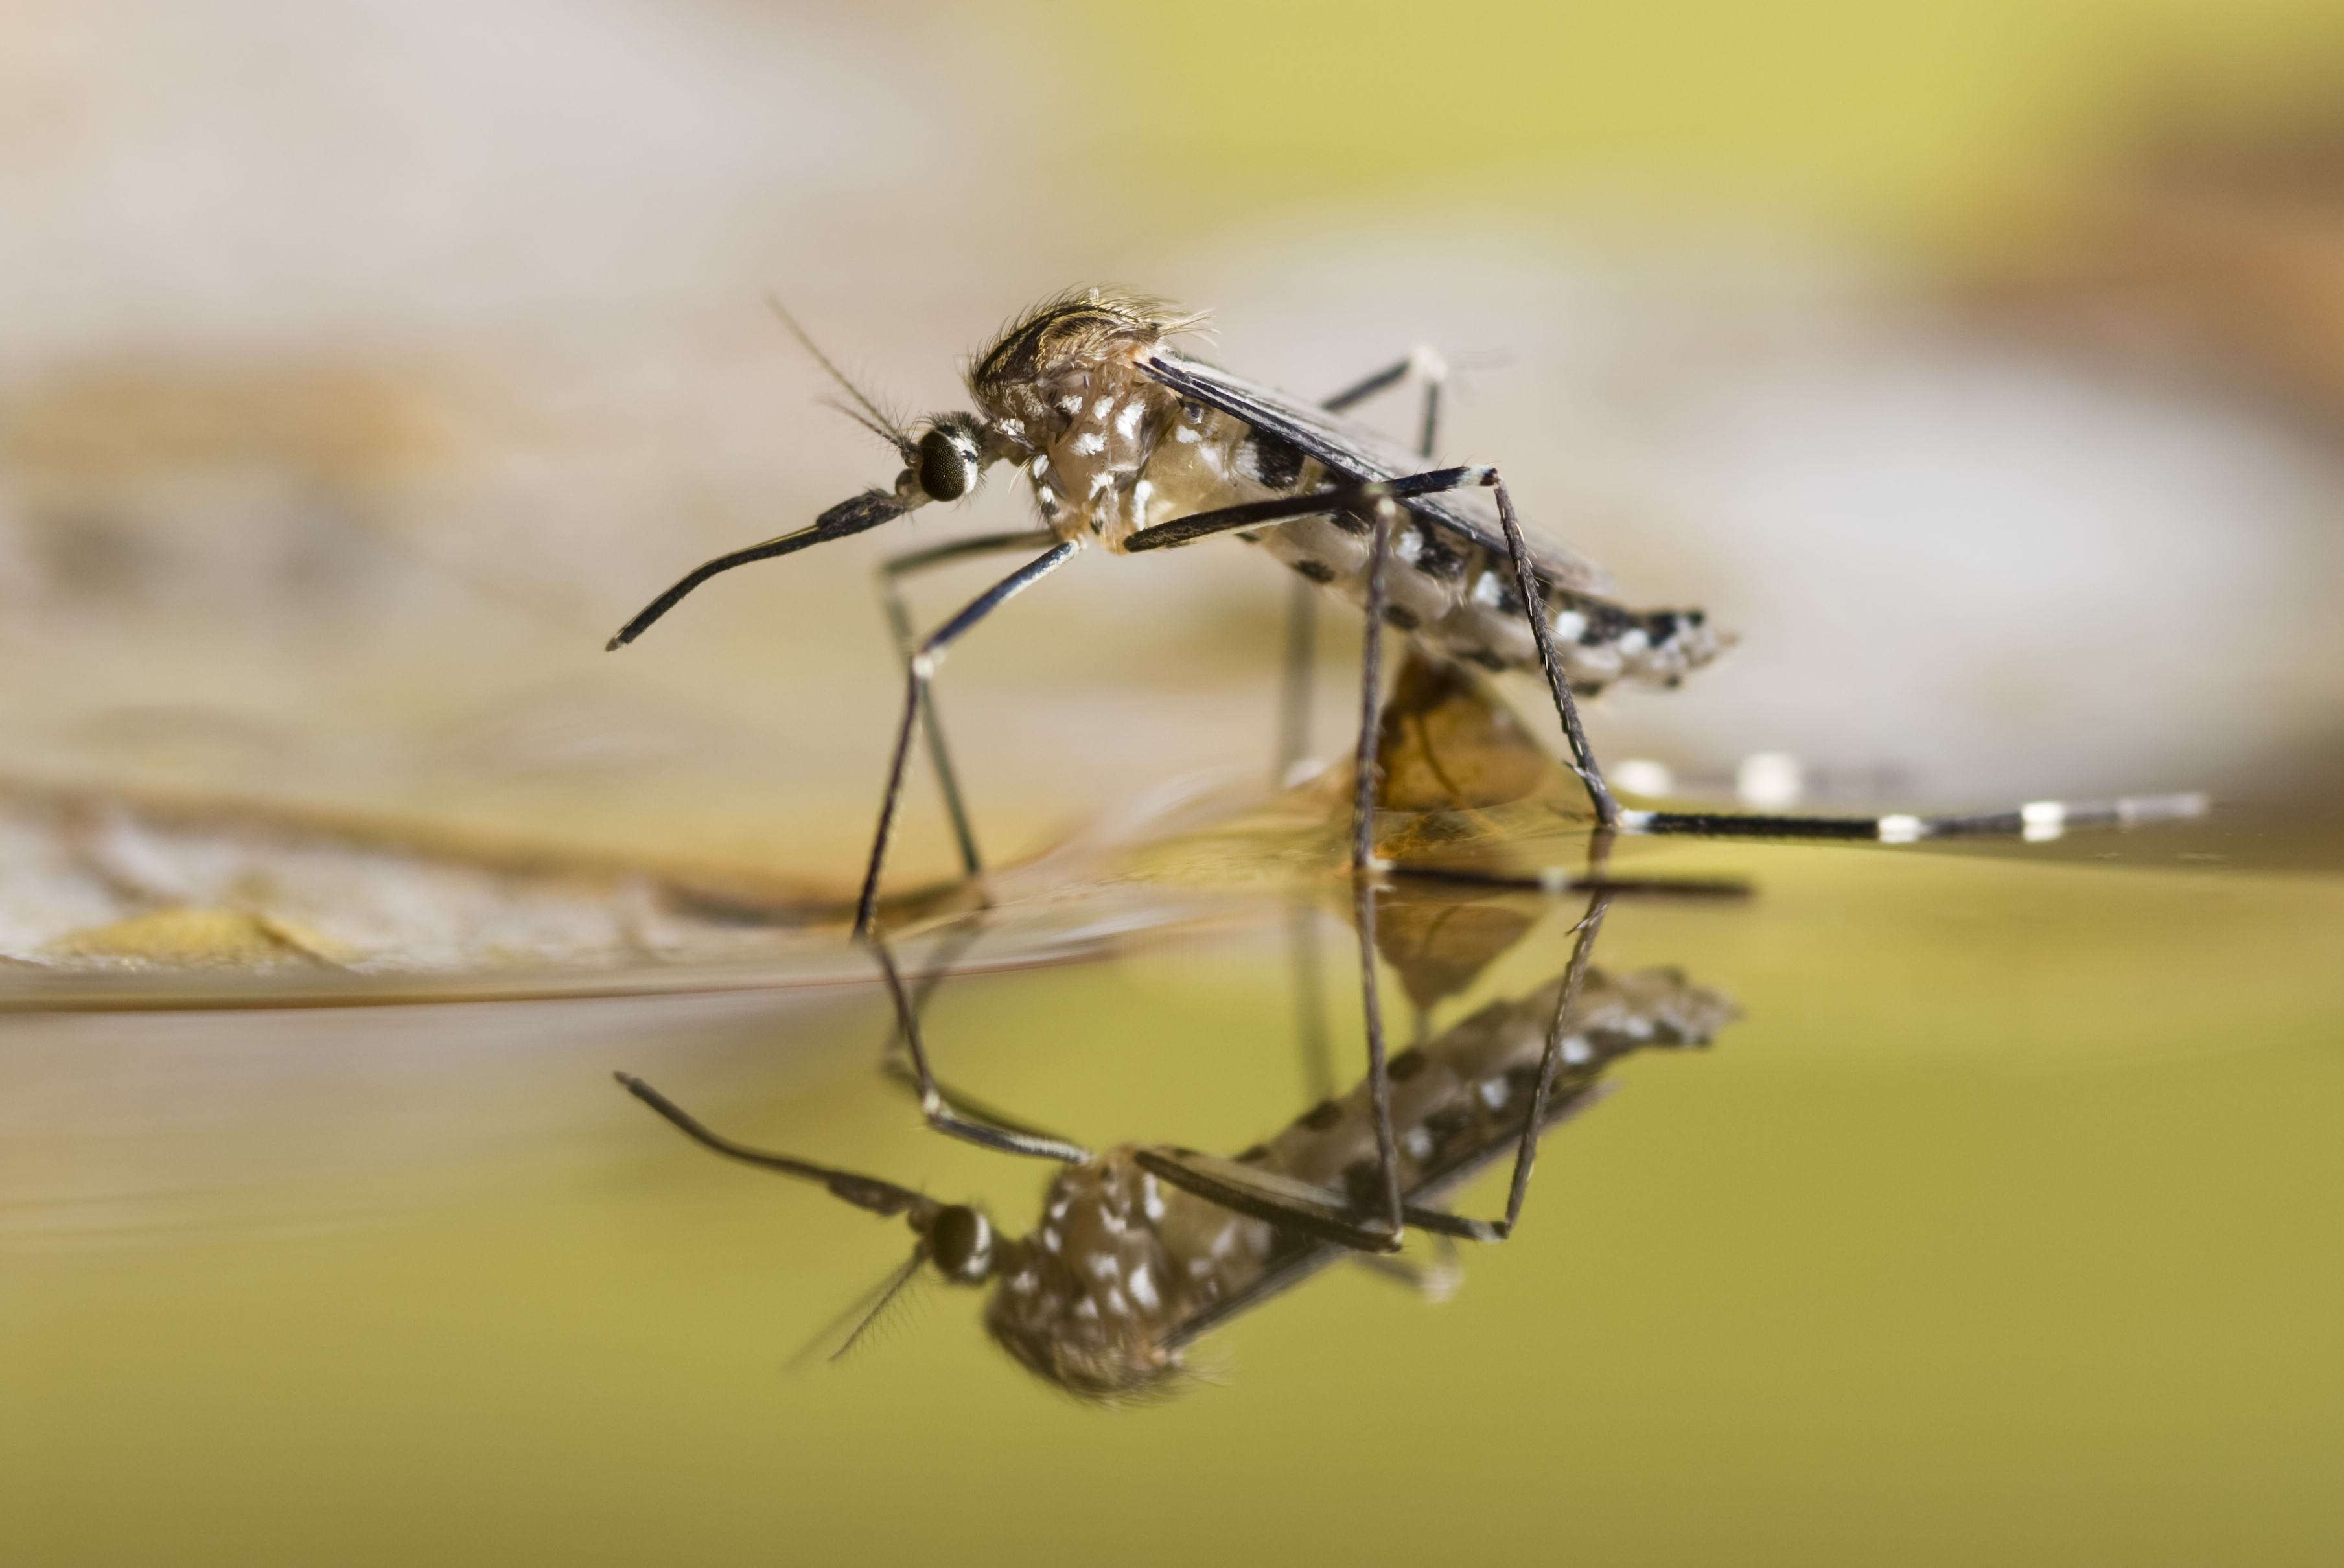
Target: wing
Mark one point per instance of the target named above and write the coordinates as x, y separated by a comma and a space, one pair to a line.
1344, 447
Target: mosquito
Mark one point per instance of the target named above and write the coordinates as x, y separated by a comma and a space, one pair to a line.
1130, 445
1141, 1250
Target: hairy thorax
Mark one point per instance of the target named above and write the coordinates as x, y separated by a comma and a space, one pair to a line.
1108, 450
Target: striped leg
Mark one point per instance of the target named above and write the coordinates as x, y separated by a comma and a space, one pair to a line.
1225, 520
921, 672
1302, 596
899, 621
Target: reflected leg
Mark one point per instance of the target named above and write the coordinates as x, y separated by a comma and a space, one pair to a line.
1549, 1064
1363, 859
939, 1113
895, 1058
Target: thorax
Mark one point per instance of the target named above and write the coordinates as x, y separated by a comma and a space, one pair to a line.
1108, 451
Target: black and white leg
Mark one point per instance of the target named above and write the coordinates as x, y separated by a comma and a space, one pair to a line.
1377, 501
1363, 858
1294, 721
869, 1192
895, 1058
1364, 892
1436, 481
1336, 1217
1435, 1281
920, 672
938, 1110
1551, 1061
899, 622
1566, 708
1425, 363
1302, 595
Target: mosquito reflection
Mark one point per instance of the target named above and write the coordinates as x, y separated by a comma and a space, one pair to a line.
1142, 1249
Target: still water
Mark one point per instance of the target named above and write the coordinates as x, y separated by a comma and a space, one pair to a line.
1998, 1225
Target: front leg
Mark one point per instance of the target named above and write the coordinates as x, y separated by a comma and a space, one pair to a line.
920, 672
938, 1110
899, 622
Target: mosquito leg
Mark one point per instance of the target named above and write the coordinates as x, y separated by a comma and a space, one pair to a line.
1599, 857
1425, 362
933, 1106
1371, 694
864, 1192
1378, 1074
1302, 602
1433, 482
895, 1056
1362, 390
1363, 858
1435, 1281
899, 621
1316, 1212
948, 953
923, 670
1582, 755
1550, 1060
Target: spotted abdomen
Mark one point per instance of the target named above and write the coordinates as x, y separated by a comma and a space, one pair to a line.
1466, 602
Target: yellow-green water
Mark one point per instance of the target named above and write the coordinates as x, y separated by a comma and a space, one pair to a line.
2000, 1228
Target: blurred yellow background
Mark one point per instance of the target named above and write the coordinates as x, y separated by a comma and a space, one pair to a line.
365, 363
1922, 124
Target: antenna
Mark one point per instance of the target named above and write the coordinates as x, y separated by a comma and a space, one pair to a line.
864, 1310
878, 420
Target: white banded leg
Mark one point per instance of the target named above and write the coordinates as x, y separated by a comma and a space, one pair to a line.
892, 574
1302, 595
921, 671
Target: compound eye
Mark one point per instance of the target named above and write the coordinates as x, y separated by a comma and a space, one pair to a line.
947, 469
961, 1242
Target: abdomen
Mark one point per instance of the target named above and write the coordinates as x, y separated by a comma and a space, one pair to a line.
1466, 602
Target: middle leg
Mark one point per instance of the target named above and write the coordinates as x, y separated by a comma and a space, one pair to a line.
1302, 597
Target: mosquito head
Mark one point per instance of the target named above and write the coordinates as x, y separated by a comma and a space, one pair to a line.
947, 458
960, 1244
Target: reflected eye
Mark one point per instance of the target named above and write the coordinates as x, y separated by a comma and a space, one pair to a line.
961, 1242
946, 467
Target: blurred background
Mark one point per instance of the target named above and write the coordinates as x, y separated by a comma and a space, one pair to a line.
364, 364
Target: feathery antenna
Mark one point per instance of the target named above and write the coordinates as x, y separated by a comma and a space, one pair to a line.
864, 1310
878, 420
